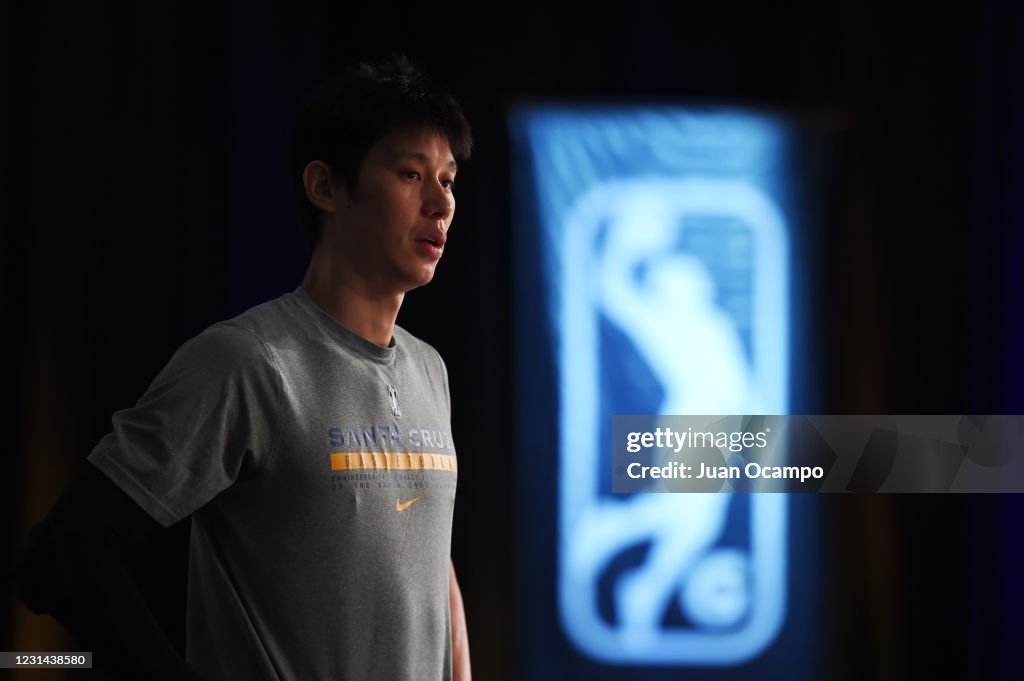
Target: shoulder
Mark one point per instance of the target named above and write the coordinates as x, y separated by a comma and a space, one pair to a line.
223, 344
426, 359
223, 354
273, 329
269, 323
416, 348
241, 344
423, 354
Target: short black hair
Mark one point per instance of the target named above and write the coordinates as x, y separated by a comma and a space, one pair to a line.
355, 109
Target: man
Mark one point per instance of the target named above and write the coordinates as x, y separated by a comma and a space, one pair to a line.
309, 438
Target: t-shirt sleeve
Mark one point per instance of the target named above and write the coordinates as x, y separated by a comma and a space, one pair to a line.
207, 421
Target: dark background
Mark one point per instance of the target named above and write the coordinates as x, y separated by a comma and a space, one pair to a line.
144, 198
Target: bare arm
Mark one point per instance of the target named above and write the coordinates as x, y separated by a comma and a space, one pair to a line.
460, 639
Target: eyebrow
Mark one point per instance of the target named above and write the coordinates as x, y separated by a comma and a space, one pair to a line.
421, 157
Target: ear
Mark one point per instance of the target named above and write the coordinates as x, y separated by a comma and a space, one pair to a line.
320, 187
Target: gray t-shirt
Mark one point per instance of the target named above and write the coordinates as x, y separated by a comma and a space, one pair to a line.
319, 470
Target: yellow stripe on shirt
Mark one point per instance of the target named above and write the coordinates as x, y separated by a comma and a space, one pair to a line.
393, 461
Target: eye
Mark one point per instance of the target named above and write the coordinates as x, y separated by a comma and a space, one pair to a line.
448, 184
411, 174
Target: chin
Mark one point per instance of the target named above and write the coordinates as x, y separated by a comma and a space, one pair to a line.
421, 278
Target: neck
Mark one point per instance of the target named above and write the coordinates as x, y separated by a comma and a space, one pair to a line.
352, 303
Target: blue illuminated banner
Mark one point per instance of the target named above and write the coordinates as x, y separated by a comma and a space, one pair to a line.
663, 256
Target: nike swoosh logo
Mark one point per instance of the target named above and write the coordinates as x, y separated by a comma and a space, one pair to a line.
399, 506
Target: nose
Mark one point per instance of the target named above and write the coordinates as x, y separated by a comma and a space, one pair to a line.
438, 204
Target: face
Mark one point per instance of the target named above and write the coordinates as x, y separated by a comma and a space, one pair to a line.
392, 232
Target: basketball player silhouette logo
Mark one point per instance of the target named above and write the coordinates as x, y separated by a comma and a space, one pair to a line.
658, 253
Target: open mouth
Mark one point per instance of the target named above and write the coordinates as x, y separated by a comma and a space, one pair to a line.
432, 246
434, 237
